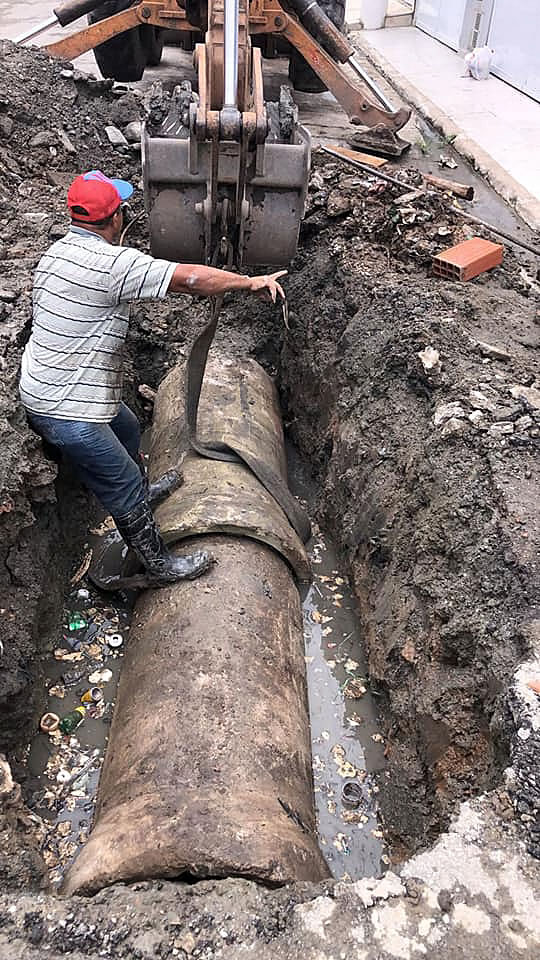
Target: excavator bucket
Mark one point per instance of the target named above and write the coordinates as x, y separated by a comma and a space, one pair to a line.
198, 192
226, 173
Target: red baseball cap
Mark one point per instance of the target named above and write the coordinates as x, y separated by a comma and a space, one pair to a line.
93, 197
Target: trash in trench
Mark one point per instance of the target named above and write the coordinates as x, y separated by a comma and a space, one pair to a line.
115, 640
94, 695
72, 720
354, 688
351, 793
49, 722
65, 762
445, 161
100, 676
77, 622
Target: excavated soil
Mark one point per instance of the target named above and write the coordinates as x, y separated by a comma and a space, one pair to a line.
427, 469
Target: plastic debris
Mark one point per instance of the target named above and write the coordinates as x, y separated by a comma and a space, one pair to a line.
94, 650
77, 622
72, 720
94, 695
49, 722
445, 161
354, 688
68, 655
115, 640
73, 677
341, 843
100, 676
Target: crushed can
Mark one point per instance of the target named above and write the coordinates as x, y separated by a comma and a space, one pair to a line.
93, 695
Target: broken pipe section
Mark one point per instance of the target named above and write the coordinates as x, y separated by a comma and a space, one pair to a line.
208, 768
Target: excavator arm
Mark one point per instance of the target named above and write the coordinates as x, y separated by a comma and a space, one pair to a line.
222, 168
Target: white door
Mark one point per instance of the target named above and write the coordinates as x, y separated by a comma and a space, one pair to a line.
514, 35
442, 19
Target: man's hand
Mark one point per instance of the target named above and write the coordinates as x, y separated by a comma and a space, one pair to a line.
197, 279
268, 286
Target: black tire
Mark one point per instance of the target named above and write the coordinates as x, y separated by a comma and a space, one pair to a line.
153, 40
301, 75
124, 57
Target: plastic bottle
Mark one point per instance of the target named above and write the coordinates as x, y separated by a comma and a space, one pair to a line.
72, 720
77, 621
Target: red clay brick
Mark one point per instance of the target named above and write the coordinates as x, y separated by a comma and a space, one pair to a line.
466, 260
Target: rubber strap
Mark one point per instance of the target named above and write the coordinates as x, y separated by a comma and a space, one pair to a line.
270, 479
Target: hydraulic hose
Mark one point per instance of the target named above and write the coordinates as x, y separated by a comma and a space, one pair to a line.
71, 10
321, 27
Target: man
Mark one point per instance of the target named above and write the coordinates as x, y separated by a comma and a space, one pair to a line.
71, 377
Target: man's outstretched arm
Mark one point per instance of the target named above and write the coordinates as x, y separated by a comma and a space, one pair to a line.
207, 281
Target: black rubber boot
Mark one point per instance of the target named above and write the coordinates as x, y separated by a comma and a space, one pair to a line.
139, 530
155, 492
164, 486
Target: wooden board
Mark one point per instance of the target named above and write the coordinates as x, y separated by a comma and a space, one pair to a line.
356, 155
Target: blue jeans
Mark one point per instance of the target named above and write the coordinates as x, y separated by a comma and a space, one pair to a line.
106, 455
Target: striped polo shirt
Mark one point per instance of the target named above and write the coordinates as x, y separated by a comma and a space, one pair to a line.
72, 364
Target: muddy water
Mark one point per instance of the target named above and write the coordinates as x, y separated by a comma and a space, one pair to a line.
347, 746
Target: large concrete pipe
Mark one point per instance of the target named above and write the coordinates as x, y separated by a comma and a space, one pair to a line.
208, 768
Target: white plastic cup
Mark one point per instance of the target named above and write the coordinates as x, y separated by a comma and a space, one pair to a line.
373, 13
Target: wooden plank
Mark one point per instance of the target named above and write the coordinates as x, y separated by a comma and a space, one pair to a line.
356, 155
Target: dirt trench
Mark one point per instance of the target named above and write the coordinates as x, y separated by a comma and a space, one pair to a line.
433, 505
426, 477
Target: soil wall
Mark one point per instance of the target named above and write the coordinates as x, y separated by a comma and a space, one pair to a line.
433, 504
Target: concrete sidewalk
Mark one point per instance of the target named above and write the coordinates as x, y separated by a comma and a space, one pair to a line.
493, 124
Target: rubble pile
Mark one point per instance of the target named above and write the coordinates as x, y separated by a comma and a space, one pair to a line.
414, 224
